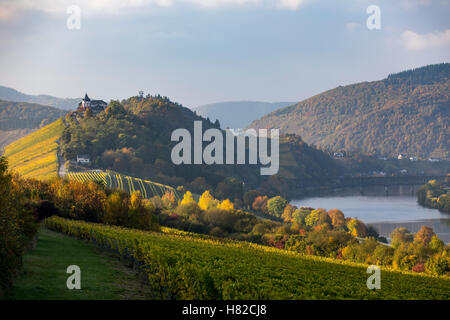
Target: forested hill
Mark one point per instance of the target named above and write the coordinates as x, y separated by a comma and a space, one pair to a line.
20, 118
61, 103
238, 114
22, 115
134, 137
407, 113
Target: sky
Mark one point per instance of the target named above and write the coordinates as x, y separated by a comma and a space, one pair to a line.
204, 51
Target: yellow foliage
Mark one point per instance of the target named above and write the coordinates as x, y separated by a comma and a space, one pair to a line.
35, 155
136, 200
187, 198
207, 201
226, 205
346, 252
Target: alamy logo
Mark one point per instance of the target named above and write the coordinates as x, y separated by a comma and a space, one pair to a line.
74, 20
213, 153
74, 280
374, 281
374, 20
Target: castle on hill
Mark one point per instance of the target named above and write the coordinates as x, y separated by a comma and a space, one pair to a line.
96, 106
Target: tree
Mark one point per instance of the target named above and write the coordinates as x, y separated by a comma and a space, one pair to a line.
17, 227
399, 236
439, 264
226, 205
249, 197
230, 188
168, 200
357, 228
276, 205
324, 218
140, 213
207, 201
424, 235
116, 209
287, 213
337, 218
299, 215
199, 185
187, 198
312, 218
436, 244
260, 204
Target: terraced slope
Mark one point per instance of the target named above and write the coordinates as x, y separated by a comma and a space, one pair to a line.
35, 155
129, 184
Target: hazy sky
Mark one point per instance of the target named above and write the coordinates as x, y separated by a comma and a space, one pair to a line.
203, 51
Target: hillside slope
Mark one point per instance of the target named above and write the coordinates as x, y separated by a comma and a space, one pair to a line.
17, 119
8, 136
61, 103
241, 270
134, 138
407, 112
238, 114
35, 155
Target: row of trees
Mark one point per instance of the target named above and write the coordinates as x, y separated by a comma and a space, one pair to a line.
90, 202
17, 227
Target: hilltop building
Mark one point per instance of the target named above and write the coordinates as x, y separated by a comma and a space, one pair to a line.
96, 106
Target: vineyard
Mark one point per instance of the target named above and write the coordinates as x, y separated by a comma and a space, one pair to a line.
35, 155
113, 180
181, 265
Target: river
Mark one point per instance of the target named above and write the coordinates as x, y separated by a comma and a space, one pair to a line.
384, 209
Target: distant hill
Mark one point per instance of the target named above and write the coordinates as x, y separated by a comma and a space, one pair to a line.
407, 113
21, 115
20, 118
238, 114
6, 137
10, 94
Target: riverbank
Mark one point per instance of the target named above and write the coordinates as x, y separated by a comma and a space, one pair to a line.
383, 210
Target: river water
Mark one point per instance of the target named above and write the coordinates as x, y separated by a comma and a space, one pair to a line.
384, 209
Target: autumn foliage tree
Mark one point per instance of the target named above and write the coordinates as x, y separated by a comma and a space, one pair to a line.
207, 201
357, 228
187, 198
424, 236
337, 218
168, 200
276, 205
287, 213
260, 204
226, 205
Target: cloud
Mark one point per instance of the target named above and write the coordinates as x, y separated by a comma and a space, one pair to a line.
219, 3
117, 6
415, 41
290, 4
7, 12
